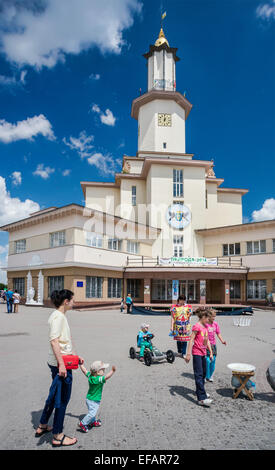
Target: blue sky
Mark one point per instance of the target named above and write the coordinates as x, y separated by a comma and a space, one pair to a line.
69, 71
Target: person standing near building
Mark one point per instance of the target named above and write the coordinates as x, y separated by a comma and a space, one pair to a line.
60, 390
129, 303
180, 324
16, 301
213, 330
200, 342
9, 299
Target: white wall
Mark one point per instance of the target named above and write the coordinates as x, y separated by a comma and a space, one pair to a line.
155, 69
152, 136
102, 199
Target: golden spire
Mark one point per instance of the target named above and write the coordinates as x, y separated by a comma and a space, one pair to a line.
161, 39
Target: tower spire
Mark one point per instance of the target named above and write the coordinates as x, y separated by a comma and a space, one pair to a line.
161, 39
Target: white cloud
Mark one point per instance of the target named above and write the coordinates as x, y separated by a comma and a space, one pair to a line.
106, 118
4, 249
39, 33
96, 108
267, 212
266, 11
12, 208
82, 145
66, 172
94, 76
12, 81
16, 178
43, 171
3, 276
7, 81
103, 162
23, 76
25, 130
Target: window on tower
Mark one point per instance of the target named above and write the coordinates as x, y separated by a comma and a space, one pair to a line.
178, 183
164, 145
134, 195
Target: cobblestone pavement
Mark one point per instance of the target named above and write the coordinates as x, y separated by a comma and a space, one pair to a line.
143, 407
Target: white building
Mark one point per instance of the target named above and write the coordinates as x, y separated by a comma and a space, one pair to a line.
166, 217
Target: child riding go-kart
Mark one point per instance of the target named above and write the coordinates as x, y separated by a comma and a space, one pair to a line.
149, 353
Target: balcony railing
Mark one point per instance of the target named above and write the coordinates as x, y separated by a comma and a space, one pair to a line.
198, 262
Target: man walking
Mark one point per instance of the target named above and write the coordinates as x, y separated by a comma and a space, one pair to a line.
9, 298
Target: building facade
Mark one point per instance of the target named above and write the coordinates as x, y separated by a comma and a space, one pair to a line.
165, 226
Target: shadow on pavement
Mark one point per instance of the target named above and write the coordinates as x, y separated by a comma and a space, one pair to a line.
228, 392
47, 437
268, 397
188, 375
184, 392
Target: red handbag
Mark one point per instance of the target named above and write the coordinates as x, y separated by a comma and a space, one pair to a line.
71, 361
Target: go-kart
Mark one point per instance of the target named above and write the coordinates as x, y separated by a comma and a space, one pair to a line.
152, 356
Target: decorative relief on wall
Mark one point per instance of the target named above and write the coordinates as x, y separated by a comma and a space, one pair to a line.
126, 167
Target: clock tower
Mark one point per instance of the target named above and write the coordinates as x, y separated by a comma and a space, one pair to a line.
162, 111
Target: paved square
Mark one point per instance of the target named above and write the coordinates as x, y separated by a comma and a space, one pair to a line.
143, 407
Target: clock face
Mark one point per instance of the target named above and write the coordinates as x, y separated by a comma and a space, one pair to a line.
164, 119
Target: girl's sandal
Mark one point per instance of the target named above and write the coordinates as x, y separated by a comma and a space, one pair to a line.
61, 442
44, 430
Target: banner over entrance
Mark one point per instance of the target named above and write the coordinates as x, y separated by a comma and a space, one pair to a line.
189, 260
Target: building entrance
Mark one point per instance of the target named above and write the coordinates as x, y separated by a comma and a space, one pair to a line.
162, 290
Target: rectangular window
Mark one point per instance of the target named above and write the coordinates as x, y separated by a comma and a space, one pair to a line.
132, 247
235, 289
164, 145
20, 246
232, 249
94, 287
258, 246
133, 287
273, 245
114, 287
19, 285
178, 246
94, 239
57, 239
262, 246
249, 248
256, 289
273, 286
178, 183
114, 244
161, 289
134, 195
206, 199
55, 283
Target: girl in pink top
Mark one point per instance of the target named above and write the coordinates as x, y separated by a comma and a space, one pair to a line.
200, 341
213, 330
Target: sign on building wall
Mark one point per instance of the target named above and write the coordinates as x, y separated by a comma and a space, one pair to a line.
189, 260
147, 289
175, 290
178, 216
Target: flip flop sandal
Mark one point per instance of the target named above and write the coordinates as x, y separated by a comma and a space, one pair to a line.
44, 430
61, 442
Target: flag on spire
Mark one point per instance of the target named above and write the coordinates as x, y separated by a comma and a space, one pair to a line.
163, 15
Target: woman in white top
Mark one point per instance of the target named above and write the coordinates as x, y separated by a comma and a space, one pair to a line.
16, 300
60, 390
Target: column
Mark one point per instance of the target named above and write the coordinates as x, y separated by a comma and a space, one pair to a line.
226, 292
147, 291
202, 291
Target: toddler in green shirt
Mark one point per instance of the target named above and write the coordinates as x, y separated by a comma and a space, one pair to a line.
96, 379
